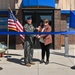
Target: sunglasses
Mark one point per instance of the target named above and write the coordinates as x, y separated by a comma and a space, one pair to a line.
45, 22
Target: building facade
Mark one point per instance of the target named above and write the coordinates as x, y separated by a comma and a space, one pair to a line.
57, 11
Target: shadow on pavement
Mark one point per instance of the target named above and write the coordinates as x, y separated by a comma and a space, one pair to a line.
14, 54
36, 60
10, 55
14, 60
20, 61
60, 64
62, 54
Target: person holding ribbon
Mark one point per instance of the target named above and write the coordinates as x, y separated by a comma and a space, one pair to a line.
28, 43
45, 40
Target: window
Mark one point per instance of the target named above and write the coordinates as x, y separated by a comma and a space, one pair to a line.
46, 17
68, 23
3, 23
27, 16
68, 20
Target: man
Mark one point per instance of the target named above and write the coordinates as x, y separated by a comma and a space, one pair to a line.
28, 43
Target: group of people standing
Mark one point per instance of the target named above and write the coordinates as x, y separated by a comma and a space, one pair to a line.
44, 39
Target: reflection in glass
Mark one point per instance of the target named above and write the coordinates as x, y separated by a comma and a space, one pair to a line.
3, 23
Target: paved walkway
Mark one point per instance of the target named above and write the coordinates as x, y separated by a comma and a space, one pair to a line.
58, 65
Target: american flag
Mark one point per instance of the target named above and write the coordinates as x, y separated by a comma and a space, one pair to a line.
14, 24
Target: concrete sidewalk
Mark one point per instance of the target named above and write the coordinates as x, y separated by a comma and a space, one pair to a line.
58, 65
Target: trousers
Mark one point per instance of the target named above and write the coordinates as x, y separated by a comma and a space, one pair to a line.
45, 50
28, 50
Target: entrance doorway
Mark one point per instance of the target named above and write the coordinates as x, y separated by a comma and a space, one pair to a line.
38, 15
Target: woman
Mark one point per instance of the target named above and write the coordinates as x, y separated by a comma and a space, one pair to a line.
45, 40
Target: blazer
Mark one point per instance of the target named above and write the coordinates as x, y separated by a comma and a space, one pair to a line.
46, 37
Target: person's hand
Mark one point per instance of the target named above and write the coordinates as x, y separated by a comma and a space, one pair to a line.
38, 37
35, 36
38, 28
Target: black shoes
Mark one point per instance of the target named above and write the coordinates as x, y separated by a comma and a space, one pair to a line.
42, 61
73, 67
47, 62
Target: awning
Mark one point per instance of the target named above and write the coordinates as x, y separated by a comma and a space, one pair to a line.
49, 3
66, 11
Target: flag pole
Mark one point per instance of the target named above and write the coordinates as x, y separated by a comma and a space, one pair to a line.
8, 38
8, 43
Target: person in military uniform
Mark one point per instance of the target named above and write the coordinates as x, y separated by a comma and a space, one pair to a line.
28, 43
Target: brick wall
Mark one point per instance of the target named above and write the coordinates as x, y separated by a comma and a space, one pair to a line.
57, 27
71, 38
63, 28
63, 22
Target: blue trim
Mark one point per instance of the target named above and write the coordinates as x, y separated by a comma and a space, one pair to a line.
66, 11
49, 3
28, 33
5, 12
